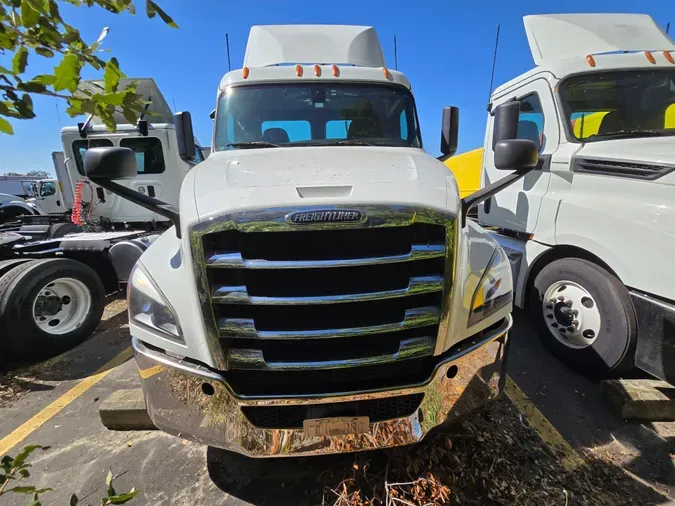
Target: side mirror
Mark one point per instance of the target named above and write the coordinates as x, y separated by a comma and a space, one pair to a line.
515, 154
186, 139
109, 163
506, 122
449, 130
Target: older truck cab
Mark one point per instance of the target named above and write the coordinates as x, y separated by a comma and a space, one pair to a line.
321, 290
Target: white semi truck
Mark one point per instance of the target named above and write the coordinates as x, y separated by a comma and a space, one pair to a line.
591, 231
53, 290
321, 290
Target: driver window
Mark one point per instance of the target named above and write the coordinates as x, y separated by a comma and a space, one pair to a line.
531, 120
47, 189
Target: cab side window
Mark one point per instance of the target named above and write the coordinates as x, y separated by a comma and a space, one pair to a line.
531, 120
149, 156
81, 146
47, 189
199, 156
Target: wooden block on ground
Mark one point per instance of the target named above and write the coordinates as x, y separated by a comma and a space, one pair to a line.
125, 410
640, 399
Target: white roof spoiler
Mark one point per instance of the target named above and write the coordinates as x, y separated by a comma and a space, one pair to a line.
336, 44
148, 89
560, 36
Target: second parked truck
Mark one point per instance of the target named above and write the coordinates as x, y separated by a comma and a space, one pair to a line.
321, 290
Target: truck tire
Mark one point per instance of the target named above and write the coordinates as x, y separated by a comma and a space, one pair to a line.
8, 265
49, 306
60, 229
584, 317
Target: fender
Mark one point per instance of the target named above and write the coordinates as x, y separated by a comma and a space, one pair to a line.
17, 208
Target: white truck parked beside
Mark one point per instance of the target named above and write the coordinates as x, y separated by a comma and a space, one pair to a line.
591, 231
322, 290
52, 291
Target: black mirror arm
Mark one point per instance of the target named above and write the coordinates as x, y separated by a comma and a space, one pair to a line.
149, 203
485, 193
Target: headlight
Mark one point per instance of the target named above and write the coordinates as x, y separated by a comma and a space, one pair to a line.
149, 308
495, 288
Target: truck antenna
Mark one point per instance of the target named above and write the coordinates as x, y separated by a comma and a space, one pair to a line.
395, 54
494, 62
58, 115
174, 105
668, 27
227, 43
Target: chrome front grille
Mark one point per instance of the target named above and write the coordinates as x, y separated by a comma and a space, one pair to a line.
285, 297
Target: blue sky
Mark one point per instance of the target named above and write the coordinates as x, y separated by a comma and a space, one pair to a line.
444, 48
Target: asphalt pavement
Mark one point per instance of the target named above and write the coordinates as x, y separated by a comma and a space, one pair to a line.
59, 408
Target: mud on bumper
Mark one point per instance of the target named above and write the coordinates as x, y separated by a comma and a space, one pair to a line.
193, 402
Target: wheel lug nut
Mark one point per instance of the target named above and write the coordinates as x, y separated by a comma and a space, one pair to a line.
575, 323
575, 312
568, 303
561, 297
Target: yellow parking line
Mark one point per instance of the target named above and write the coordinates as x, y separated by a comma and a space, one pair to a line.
23, 431
570, 459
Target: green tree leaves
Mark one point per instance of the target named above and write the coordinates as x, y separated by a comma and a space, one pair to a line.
152, 8
67, 73
112, 75
20, 61
15, 469
35, 28
29, 16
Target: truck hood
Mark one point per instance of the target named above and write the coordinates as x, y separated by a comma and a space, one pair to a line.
313, 176
649, 150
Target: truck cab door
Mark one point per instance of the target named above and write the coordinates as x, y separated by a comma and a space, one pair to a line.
50, 198
517, 207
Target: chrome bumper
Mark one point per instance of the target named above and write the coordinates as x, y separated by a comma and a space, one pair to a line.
178, 403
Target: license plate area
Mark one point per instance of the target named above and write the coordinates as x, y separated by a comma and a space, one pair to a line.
336, 426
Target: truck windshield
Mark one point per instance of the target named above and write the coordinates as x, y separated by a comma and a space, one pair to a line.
623, 104
316, 114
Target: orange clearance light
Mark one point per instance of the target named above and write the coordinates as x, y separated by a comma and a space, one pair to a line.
650, 57
244, 73
336, 71
298, 70
590, 60
387, 75
317, 71
668, 56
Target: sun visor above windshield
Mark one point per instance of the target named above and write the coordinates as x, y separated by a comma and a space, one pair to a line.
560, 36
322, 44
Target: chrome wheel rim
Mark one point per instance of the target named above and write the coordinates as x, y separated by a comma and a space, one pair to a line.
61, 306
571, 314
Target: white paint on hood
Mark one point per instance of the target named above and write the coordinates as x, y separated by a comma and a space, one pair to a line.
229, 181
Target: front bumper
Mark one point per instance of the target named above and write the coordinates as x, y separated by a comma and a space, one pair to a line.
180, 404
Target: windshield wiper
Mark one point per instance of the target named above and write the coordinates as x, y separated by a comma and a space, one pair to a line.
252, 145
350, 142
634, 133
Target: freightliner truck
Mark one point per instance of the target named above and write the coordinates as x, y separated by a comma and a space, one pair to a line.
591, 231
321, 290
